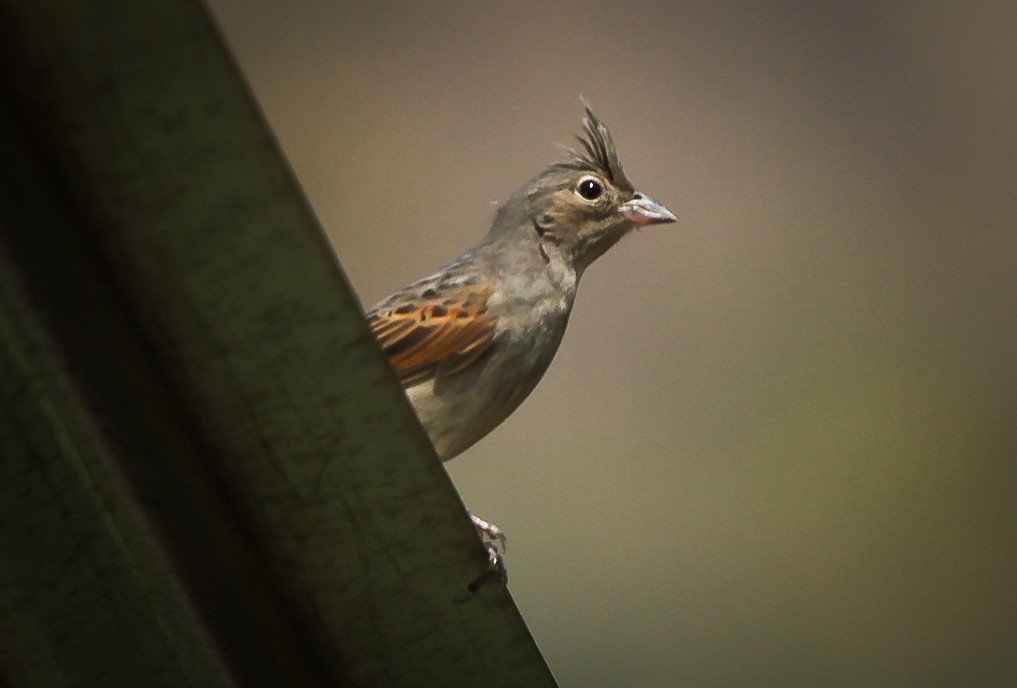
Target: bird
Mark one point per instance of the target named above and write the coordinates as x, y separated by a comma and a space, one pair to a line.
470, 341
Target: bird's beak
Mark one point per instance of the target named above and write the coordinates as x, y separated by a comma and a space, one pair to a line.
643, 210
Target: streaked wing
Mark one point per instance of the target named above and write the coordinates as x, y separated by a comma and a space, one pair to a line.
424, 338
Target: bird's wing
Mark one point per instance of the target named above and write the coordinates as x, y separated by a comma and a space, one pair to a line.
424, 337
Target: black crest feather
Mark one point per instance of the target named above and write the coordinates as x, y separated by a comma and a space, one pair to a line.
598, 154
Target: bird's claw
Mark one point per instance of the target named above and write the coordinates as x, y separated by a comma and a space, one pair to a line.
495, 566
496, 543
490, 533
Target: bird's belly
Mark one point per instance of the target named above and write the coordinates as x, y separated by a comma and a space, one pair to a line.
460, 409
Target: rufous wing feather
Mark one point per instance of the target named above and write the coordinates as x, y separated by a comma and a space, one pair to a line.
443, 337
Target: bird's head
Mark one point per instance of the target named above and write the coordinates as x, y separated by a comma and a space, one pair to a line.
584, 203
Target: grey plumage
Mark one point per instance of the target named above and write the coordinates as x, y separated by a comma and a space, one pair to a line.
471, 341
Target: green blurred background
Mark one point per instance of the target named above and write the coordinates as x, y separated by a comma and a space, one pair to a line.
779, 444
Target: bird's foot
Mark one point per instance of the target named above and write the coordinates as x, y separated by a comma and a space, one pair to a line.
490, 533
496, 543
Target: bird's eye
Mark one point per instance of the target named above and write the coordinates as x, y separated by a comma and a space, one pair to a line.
589, 188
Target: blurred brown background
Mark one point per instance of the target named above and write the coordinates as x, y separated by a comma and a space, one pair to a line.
779, 444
